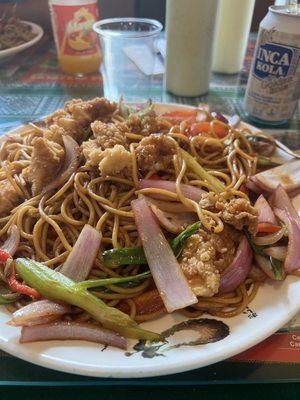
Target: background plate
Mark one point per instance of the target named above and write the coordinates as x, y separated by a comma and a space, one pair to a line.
7, 53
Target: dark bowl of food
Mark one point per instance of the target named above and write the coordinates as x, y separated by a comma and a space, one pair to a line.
17, 35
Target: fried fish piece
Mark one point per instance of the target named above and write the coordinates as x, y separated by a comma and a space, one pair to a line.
46, 161
155, 152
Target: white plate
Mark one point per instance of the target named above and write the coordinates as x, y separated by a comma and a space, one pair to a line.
275, 304
6, 53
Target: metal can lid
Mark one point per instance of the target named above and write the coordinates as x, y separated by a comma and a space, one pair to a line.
285, 10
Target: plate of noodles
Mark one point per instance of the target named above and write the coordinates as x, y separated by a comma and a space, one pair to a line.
144, 240
17, 35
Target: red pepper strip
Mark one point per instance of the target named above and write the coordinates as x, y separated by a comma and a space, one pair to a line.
154, 177
266, 227
205, 129
4, 256
243, 188
19, 287
178, 116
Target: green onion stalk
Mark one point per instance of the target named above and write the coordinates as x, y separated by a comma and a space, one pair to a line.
55, 286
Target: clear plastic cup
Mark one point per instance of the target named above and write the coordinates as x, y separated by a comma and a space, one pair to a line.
129, 54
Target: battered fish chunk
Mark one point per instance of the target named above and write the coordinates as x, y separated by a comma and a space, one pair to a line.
237, 212
55, 134
108, 135
77, 115
92, 152
145, 125
88, 111
155, 152
9, 197
116, 162
46, 161
204, 256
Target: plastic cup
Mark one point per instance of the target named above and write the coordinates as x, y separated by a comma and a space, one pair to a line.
129, 54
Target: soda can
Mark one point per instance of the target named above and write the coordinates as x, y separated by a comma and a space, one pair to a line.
273, 88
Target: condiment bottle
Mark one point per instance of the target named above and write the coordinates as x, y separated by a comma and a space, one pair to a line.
232, 30
189, 32
76, 43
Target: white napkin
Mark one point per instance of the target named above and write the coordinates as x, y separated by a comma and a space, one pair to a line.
148, 62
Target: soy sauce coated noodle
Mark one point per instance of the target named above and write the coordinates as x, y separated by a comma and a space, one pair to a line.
50, 224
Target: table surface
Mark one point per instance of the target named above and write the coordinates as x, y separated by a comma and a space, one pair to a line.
32, 86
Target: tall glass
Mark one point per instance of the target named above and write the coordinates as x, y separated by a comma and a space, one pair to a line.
129, 54
190, 31
232, 31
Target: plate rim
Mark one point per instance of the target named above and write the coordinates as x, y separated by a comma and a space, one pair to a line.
16, 49
25, 353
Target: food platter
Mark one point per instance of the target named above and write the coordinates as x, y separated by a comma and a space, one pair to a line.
7, 53
275, 304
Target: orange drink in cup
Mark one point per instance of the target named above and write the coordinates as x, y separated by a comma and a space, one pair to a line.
76, 43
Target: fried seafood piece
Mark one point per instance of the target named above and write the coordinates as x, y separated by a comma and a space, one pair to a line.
77, 115
237, 212
88, 111
92, 152
9, 197
108, 135
204, 256
145, 125
116, 162
155, 152
55, 134
46, 161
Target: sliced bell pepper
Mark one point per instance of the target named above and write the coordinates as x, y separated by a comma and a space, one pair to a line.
4, 256
19, 287
175, 117
266, 227
205, 129
154, 177
12, 281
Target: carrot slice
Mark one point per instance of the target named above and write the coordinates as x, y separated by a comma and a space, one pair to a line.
205, 128
266, 227
175, 117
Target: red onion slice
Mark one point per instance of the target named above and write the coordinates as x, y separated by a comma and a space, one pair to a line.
251, 185
277, 252
265, 213
219, 116
265, 264
281, 200
256, 183
292, 260
172, 222
81, 259
39, 312
287, 175
64, 330
238, 270
267, 240
169, 206
234, 121
12, 242
257, 274
189, 191
71, 163
167, 274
